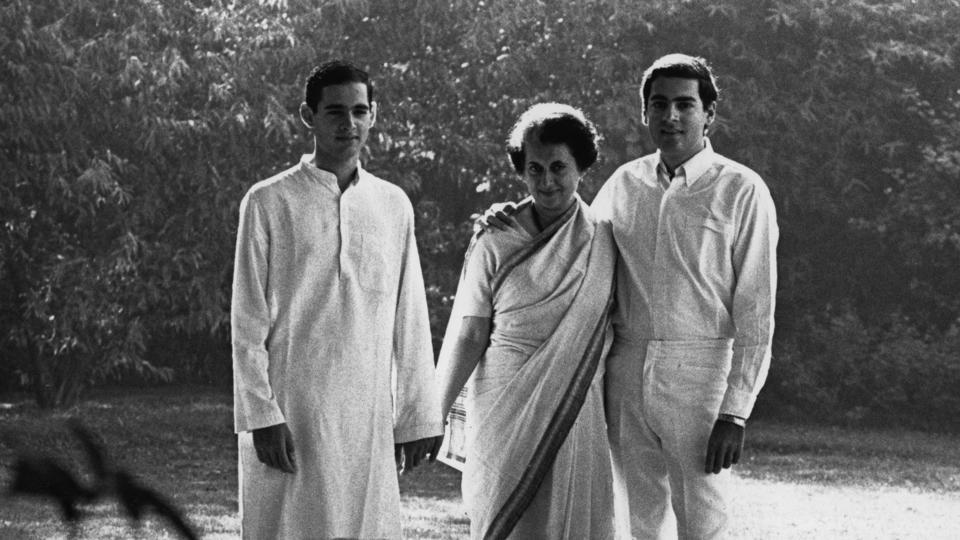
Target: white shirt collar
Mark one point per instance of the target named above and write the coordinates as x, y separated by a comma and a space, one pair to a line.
692, 169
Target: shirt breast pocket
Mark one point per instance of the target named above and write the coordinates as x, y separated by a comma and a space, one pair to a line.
375, 269
711, 238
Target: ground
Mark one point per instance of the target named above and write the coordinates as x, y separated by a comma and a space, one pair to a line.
796, 482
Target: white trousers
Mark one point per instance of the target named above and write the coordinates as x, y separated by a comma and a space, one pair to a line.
662, 399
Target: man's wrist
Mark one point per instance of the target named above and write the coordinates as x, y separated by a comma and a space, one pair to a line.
742, 422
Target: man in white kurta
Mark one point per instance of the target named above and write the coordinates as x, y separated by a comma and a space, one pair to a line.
331, 338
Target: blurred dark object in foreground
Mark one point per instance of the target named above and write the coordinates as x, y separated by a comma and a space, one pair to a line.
44, 476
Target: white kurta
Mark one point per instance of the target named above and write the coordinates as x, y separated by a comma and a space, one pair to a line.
330, 335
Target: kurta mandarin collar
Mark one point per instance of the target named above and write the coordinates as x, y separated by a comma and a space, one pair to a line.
692, 169
326, 177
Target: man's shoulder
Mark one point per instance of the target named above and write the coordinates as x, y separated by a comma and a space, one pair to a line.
640, 165
738, 171
274, 183
635, 169
741, 182
383, 188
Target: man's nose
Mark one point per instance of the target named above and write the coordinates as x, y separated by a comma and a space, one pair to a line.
673, 112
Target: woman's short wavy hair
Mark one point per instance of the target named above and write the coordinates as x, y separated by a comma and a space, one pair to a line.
555, 123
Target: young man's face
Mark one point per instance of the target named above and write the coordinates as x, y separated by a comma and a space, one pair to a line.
341, 123
677, 119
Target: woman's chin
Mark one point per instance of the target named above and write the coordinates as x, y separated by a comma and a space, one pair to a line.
551, 206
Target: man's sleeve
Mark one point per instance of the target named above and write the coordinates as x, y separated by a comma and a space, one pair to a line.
255, 404
754, 296
416, 403
602, 205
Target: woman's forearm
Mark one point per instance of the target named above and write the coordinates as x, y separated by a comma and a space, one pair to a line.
459, 357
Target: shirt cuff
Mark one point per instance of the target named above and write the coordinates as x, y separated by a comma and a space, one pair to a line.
253, 417
742, 422
415, 433
737, 402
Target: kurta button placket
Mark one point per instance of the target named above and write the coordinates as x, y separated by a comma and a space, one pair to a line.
343, 224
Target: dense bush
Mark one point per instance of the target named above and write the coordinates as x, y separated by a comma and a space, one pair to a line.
130, 130
841, 370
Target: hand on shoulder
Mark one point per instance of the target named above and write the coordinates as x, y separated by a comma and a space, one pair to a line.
499, 217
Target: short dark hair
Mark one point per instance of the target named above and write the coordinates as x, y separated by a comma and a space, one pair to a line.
555, 123
682, 66
332, 73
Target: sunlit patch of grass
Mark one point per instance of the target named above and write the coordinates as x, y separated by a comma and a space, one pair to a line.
432, 505
180, 442
853, 457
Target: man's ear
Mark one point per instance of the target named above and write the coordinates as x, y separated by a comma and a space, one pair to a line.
306, 115
711, 113
373, 113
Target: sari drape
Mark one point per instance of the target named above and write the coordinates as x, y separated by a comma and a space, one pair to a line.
535, 424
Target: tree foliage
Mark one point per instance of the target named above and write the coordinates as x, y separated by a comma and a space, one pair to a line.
130, 131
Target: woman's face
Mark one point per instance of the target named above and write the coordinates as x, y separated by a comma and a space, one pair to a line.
551, 176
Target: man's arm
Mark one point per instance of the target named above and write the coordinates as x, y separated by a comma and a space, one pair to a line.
255, 404
754, 296
418, 426
458, 358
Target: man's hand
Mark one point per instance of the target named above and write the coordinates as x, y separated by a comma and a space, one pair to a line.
499, 217
410, 454
274, 445
725, 446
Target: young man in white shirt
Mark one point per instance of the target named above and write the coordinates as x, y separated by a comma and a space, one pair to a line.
696, 285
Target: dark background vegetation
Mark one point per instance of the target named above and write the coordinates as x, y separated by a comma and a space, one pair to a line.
130, 129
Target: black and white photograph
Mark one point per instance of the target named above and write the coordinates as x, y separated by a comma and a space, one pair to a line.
486, 269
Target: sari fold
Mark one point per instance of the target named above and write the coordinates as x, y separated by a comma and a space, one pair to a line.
535, 426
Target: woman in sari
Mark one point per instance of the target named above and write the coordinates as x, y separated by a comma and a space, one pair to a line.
527, 330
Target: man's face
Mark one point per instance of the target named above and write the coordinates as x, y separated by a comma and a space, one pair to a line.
342, 122
677, 119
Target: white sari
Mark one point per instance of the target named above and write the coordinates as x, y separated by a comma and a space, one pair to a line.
537, 459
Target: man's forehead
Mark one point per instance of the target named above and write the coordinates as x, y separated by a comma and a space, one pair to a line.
353, 94
675, 88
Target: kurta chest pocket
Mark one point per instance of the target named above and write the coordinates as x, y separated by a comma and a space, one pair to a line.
373, 266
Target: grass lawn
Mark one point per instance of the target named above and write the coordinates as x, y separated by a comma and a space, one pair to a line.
796, 482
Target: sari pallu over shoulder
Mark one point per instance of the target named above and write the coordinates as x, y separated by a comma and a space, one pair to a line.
531, 417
